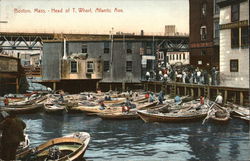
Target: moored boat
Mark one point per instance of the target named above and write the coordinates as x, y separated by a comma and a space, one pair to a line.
59, 109
119, 116
21, 109
192, 115
68, 148
218, 113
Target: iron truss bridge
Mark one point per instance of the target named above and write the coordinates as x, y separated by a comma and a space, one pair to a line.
174, 44
23, 41
34, 41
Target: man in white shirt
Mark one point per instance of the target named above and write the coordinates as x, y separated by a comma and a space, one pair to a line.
219, 99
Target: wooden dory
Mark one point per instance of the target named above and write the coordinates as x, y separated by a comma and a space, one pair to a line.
119, 116
171, 117
54, 108
69, 148
20, 109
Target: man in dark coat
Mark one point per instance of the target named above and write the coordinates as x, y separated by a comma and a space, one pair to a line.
12, 134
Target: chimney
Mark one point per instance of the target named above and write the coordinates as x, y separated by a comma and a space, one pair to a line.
142, 33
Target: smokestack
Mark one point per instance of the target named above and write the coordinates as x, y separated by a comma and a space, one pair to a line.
142, 33
64, 49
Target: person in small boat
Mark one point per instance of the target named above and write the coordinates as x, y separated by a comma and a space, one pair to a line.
61, 98
12, 134
102, 105
129, 104
151, 97
125, 109
6, 101
107, 98
219, 99
161, 97
202, 100
89, 97
177, 99
147, 95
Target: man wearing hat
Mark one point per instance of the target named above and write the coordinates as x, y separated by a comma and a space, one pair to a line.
12, 134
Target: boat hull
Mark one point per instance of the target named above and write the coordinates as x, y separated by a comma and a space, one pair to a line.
78, 142
168, 118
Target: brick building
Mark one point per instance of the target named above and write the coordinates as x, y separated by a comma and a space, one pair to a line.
204, 51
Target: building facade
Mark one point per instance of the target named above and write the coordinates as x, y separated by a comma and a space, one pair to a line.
234, 43
10, 75
178, 58
169, 30
204, 51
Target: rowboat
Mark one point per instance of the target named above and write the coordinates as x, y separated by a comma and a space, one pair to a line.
119, 116
238, 110
68, 148
20, 109
217, 113
59, 109
245, 118
191, 115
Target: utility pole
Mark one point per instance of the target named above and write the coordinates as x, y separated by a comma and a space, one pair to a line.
111, 54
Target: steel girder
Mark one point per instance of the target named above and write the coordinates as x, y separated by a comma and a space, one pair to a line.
176, 44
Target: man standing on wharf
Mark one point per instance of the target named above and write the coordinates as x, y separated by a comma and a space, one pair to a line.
12, 135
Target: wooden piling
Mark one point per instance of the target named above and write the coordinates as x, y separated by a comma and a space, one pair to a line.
17, 85
192, 92
241, 98
54, 86
199, 92
225, 96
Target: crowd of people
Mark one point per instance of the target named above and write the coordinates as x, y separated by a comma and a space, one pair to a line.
185, 74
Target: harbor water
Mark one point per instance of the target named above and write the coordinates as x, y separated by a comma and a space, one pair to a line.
133, 140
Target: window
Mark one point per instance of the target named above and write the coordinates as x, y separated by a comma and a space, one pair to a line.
235, 9
244, 37
183, 56
235, 38
180, 56
216, 8
106, 47
148, 51
200, 62
73, 67
170, 57
106, 66
129, 66
173, 57
129, 47
176, 56
90, 67
203, 32
203, 52
216, 29
204, 9
84, 48
234, 64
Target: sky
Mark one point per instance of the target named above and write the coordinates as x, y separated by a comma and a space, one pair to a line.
100, 16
